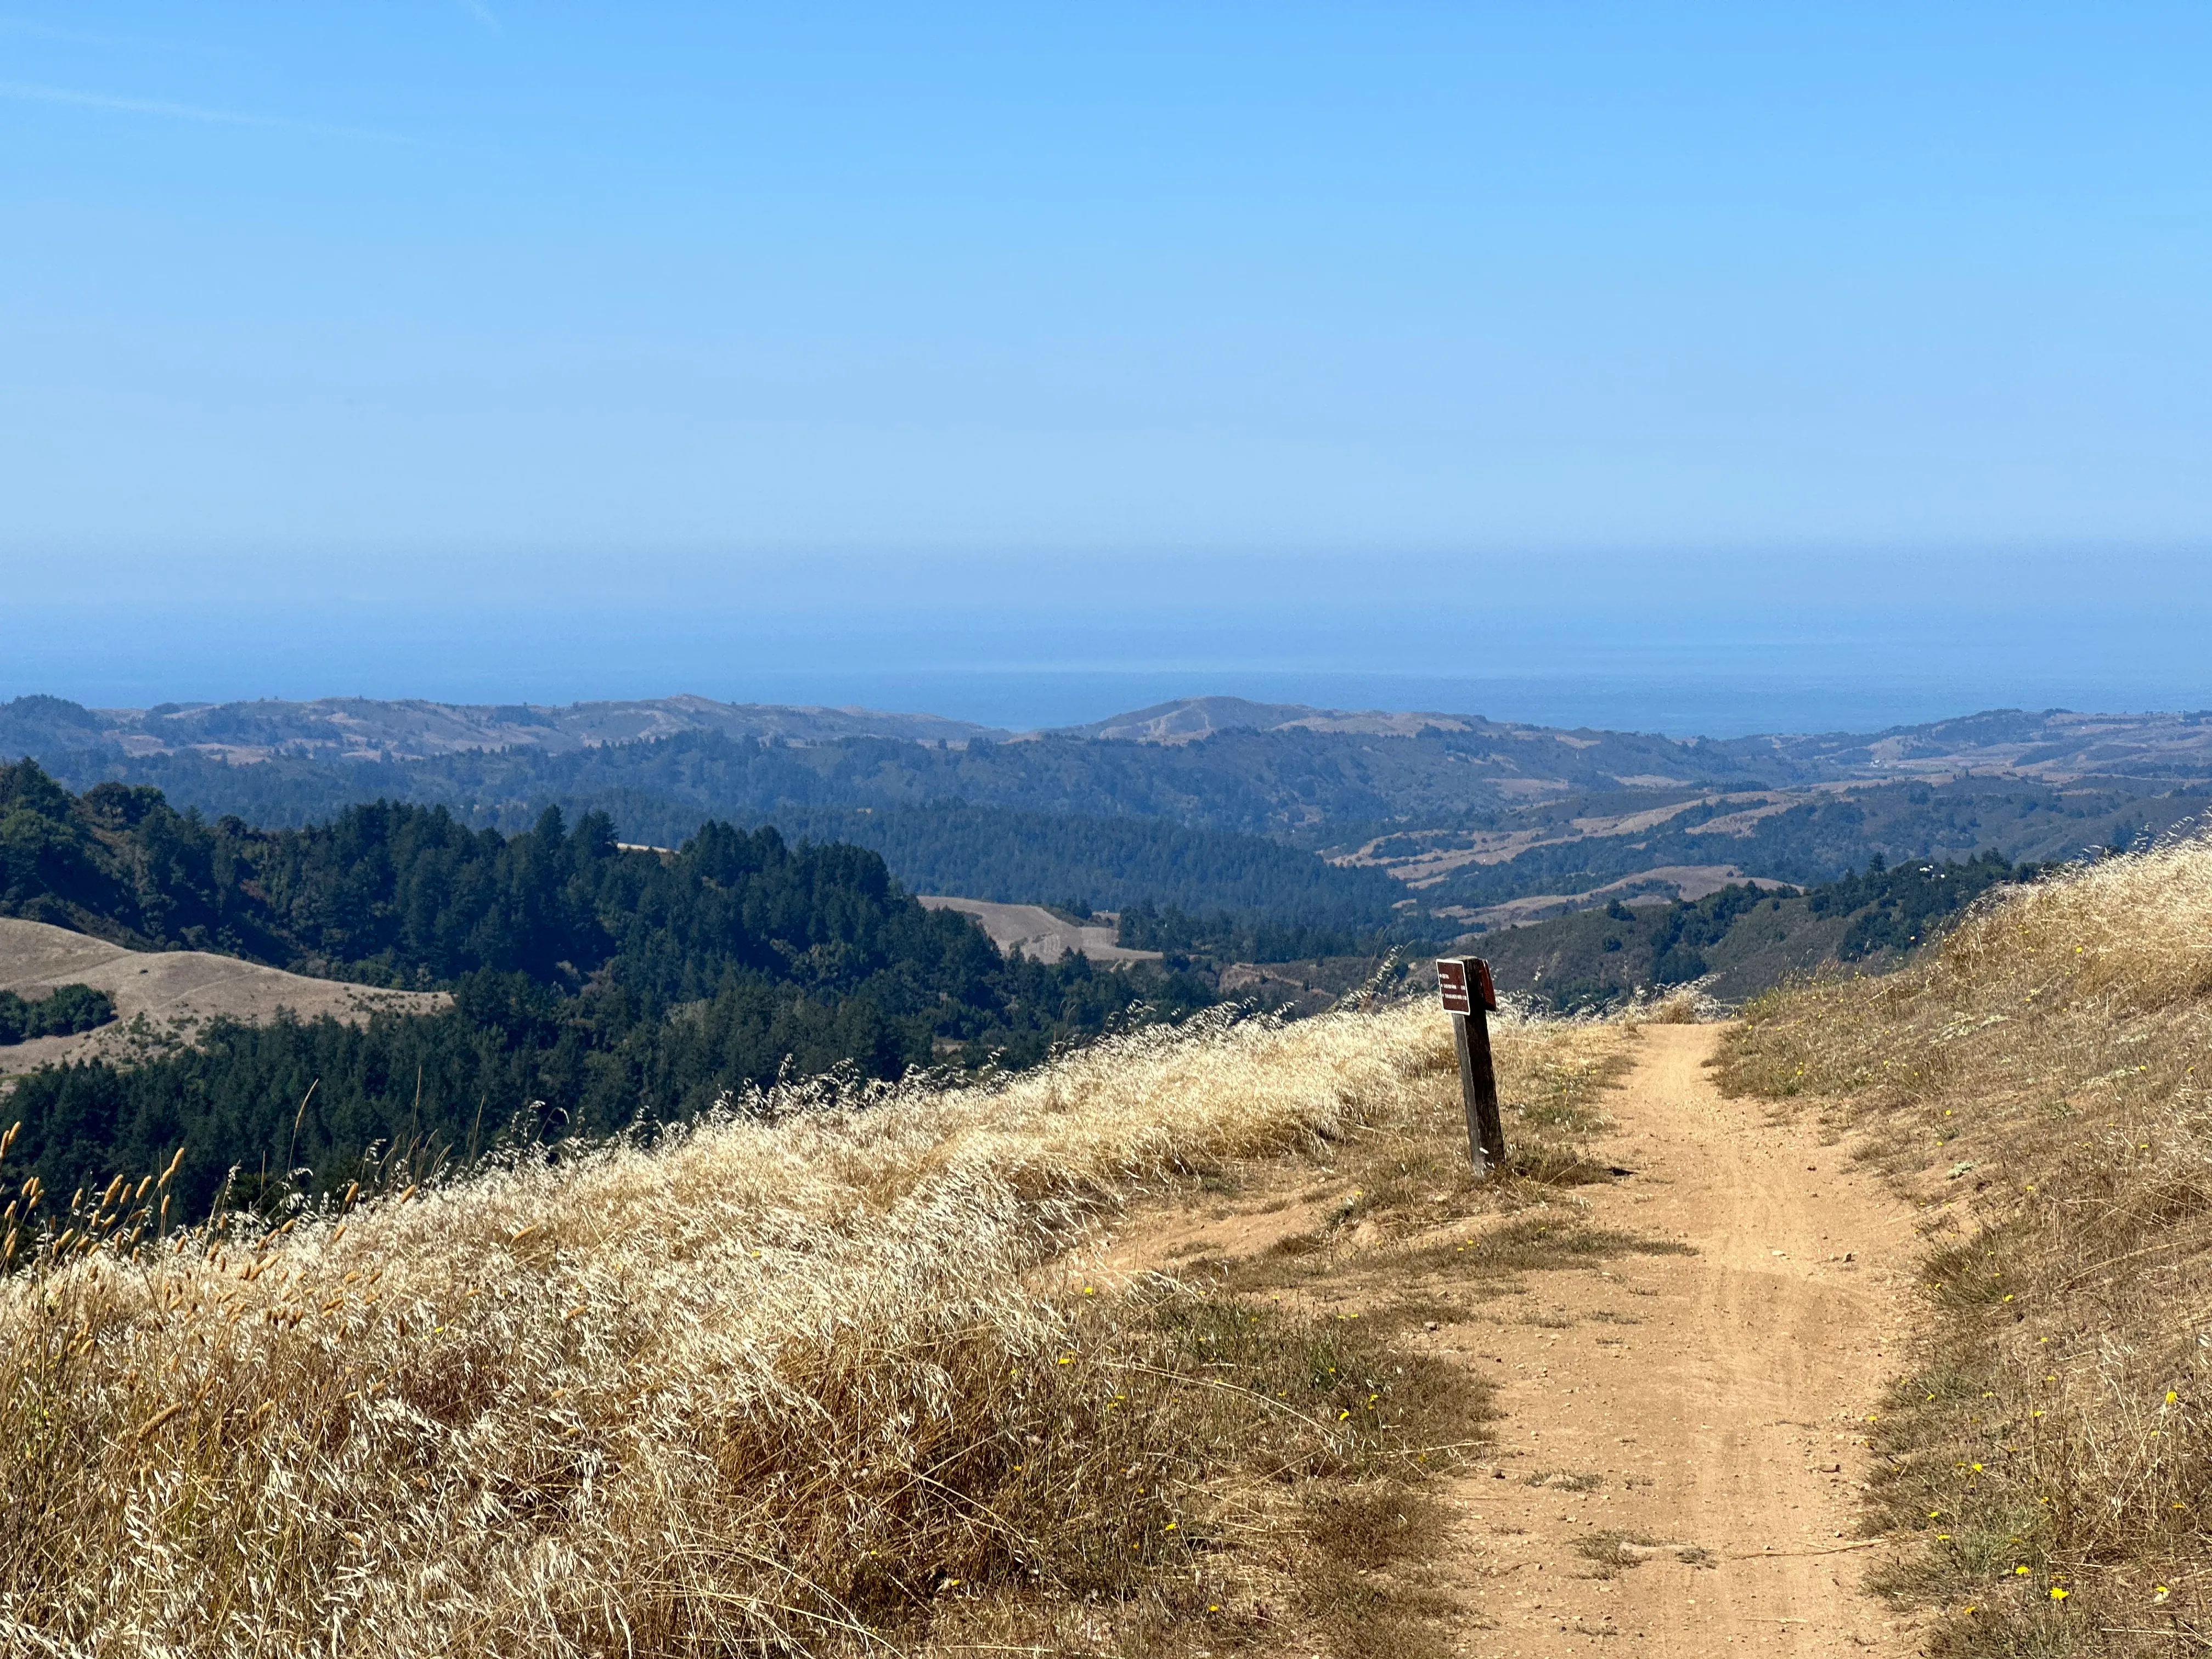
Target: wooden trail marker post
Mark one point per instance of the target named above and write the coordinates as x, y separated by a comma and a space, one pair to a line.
1470, 999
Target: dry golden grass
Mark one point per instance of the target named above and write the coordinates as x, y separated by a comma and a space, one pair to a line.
1685, 1007
1411, 1171
785, 1380
2033, 1082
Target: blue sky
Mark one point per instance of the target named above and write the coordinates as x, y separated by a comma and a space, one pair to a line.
494, 350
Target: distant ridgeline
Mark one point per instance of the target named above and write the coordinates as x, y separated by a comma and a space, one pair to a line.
591, 985
1255, 781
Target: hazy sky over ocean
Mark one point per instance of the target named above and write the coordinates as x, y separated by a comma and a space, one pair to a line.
1654, 366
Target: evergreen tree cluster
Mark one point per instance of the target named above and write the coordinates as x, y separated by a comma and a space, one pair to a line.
1019, 857
591, 985
1101, 856
1685, 930
1224, 937
1891, 910
67, 1010
1898, 907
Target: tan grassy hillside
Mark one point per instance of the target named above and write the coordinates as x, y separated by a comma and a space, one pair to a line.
807, 1381
163, 999
2039, 1083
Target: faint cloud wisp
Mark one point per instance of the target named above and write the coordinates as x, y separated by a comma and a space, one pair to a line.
30, 28
24, 92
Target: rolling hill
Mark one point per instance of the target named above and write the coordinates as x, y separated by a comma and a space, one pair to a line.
363, 728
1742, 939
164, 999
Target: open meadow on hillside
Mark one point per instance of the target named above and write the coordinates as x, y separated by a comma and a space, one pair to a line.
163, 999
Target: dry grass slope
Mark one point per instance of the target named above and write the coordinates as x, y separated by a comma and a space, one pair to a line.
164, 999
803, 1380
2035, 1083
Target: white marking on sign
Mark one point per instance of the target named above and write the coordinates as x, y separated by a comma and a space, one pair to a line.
1451, 981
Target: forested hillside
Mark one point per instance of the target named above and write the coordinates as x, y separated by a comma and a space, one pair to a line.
658, 793
1253, 781
1742, 939
1822, 839
1100, 864
593, 986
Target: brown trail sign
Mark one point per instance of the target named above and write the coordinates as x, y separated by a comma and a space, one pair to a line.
1469, 997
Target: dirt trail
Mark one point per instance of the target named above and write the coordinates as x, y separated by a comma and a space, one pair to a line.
1714, 1402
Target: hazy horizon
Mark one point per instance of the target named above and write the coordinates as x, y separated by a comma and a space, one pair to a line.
1016, 701
1728, 369
1707, 644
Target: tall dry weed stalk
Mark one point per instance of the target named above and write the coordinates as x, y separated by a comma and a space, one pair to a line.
783, 1381
2038, 1083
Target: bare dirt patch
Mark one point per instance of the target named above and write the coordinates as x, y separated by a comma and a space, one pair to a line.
163, 997
1030, 930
